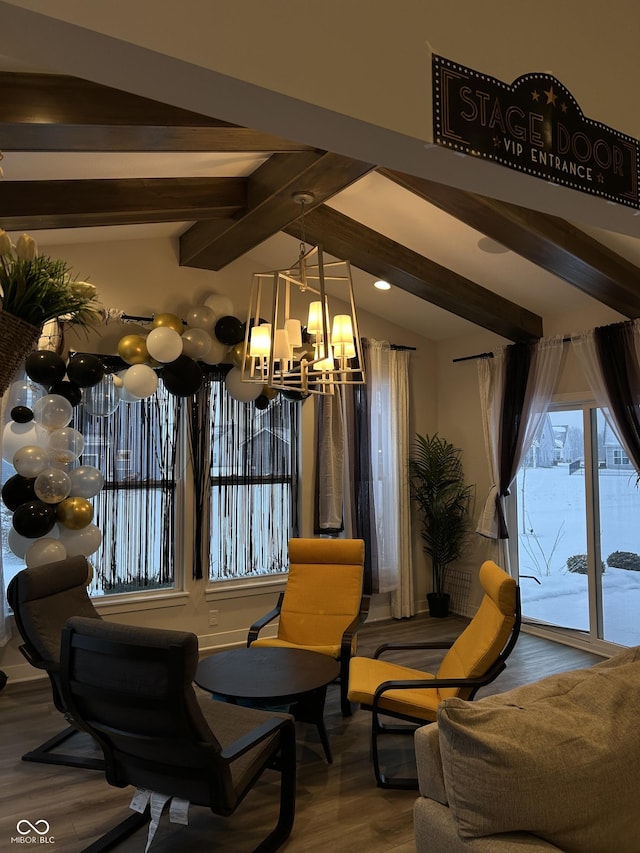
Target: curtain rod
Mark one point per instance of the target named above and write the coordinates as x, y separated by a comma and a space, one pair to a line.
150, 319
490, 354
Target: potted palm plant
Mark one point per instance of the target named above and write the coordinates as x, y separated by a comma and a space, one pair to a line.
443, 501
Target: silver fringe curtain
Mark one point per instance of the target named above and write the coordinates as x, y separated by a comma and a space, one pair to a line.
245, 462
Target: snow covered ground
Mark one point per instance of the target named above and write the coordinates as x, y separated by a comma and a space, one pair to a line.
553, 528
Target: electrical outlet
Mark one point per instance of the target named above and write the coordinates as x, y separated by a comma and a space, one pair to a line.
213, 617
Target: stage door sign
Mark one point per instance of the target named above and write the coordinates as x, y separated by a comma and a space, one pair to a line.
534, 126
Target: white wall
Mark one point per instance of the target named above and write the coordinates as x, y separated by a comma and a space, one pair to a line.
143, 278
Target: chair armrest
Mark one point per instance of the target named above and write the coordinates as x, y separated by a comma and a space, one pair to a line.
255, 736
355, 624
386, 647
38, 663
257, 626
435, 683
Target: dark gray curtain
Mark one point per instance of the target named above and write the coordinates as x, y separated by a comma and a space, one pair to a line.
618, 358
342, 420
512, 424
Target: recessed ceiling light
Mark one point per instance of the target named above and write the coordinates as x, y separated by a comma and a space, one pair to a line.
382, 285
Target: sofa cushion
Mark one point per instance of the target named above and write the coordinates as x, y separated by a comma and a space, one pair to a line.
560, 759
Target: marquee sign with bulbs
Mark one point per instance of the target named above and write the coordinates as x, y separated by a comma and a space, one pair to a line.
535, 126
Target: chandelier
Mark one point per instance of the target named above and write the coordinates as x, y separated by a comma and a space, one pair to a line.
294, 340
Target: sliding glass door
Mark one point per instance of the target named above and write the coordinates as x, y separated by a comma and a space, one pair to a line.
578, 522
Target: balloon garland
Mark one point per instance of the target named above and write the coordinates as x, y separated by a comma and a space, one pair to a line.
50, 494
50, 500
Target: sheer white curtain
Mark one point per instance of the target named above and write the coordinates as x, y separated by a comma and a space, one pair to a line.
508, 431
388, 381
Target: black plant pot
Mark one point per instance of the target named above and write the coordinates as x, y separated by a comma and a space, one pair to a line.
438, 604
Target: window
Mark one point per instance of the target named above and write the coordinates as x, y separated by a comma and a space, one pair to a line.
251, 482
135, 449
578, 538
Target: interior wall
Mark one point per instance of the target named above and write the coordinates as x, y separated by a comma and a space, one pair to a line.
142, 277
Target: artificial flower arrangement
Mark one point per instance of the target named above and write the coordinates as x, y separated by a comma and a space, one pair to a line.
36, 288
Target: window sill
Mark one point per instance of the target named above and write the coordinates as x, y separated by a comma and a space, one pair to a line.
136, 602
222, 590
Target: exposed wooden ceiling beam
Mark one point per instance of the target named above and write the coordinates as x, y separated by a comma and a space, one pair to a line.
545, 240
270, 205
376, 254
49, 112
31, 205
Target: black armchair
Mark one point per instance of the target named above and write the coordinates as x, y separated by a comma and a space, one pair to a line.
42, 599
131, 687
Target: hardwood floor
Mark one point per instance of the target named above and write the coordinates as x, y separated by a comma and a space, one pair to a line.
339, 807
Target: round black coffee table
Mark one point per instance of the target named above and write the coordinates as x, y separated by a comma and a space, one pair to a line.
271, 677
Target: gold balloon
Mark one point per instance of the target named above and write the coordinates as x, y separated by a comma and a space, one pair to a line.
74, 513
171, 321
236, 355
133, 349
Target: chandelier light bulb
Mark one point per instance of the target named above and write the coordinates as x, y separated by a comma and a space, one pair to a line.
260, 341
342, 331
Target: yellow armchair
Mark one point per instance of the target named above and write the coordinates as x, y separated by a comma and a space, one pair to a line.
322, 606
474, 659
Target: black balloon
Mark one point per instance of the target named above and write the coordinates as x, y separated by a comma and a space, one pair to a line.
18, 490
182, 377
262, 402
295, 396
45, 367
85, 369
34, 519
69, 390
229, 330
21, 414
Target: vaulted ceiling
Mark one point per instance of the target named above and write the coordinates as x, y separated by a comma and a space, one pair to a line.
80, 157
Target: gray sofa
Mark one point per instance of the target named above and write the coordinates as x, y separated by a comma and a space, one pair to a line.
551, 766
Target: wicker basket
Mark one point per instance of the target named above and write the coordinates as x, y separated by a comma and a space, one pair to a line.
17, 340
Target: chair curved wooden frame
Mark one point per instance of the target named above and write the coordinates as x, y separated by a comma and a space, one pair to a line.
158, 735
466, 687
42, 599
325, 549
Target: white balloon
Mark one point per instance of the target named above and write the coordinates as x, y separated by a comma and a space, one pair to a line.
30, 460
164, 344
140, 380
65, 445
123, 395
196, 343
23, 392
219, 304
239, 390
101, 399
45, 550
15, 436
52, 486
217, 352
84, 541
52, 412
202, 317
18, 544
86, 481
